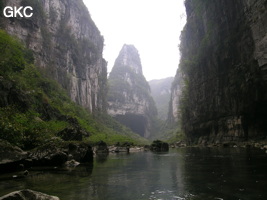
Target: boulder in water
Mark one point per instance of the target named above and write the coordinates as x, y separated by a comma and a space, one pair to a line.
28, 195
11, 157
101, 148
158, 145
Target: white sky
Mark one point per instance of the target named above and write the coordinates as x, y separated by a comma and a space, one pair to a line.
152, 26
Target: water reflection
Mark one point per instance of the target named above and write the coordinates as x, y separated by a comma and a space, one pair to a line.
101, 158
189, 173
219, 173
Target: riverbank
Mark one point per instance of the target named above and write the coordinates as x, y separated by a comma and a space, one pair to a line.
260, 144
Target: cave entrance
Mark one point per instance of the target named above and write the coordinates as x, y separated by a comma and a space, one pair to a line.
137, 123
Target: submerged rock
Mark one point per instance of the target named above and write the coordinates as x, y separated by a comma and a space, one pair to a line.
28, 195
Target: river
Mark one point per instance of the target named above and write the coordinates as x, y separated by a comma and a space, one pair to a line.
186, 173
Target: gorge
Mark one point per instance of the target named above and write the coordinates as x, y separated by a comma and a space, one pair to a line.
53, 78
218, 94
71, 130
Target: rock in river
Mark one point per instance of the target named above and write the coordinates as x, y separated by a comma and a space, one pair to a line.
11, 157
28, 195
101, 148
58, 152
158, 145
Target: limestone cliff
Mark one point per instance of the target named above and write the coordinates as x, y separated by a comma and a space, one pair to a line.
174, 115
129, 99
224, 70
66, 44
161, 92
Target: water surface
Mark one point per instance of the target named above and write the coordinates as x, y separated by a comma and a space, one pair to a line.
188, 173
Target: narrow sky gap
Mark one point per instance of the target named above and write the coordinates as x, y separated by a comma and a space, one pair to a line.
153, 26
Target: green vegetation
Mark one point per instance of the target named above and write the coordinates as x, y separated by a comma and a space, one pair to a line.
167, 132
118, 86
199, 6
128, 87
173, 135
33, 108
193, 58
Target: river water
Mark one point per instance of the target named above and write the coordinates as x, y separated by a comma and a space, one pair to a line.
187, 173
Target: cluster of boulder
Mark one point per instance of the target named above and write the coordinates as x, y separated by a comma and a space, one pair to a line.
55, 152
103, 148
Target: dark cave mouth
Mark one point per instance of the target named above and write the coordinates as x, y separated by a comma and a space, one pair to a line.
137, 123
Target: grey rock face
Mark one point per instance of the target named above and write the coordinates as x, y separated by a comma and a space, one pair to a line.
28, 195
161, 93
66, 44
57, 152
129, 99
129, 56
223, 66
174, 114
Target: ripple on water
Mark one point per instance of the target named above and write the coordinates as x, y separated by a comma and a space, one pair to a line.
166, 195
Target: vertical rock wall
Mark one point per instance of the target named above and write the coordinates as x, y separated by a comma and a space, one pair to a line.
66, 44
129, 98
174, 114
223, 65
161, 92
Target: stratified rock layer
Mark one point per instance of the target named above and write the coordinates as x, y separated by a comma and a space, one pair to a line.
129, 99
224, 71
66, 44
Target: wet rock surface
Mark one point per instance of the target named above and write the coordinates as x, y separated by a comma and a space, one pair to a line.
159, 146
58, 152
11, 157
28, 195
53, 153
101, 148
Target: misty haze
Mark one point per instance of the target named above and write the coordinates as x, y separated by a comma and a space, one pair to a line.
133, 100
